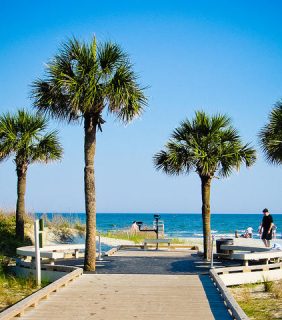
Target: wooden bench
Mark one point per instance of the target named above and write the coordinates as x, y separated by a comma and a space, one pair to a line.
247, 256
156, 241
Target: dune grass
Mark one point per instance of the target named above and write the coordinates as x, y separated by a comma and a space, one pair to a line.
14, 289
260, 301
137, 237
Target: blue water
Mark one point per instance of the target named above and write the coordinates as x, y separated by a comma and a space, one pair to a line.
176, 225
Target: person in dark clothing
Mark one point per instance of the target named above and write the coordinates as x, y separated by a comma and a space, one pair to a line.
266, 227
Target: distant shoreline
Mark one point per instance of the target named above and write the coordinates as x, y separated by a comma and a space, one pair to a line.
152, 213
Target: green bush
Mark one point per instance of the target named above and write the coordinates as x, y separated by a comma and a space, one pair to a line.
8, 241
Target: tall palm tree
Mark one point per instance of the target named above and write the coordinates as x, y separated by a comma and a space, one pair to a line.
23, 135
81, 82
271, 136
210, 146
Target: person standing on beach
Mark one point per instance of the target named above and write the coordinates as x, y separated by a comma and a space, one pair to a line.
266, 227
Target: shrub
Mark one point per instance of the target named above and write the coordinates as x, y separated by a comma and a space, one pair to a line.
8, 241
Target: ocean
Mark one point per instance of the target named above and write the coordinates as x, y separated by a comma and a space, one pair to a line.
176, 225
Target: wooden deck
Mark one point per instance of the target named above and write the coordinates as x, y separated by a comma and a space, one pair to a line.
133, 296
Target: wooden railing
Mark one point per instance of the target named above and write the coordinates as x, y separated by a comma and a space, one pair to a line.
31, 301
230, 302
236, 311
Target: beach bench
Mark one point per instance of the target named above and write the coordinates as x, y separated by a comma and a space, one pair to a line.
231, 248
52, 253
156, 241
266, 256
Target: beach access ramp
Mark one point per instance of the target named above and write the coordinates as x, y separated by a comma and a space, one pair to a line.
137, 284
127, 296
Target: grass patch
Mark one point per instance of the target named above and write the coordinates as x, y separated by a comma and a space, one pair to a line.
260, 301
14, 289
137, 237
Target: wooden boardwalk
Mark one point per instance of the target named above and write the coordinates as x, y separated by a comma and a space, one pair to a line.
133, 296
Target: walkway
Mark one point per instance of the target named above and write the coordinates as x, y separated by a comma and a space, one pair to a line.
169, 295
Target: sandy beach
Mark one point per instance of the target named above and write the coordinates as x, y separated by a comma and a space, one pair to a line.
51, 239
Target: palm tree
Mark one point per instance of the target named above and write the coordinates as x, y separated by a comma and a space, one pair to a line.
82, 81
23, 136
271, 136
210, 146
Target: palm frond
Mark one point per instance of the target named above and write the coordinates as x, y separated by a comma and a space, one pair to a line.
270, 137
22, 136
209, 145
87, 78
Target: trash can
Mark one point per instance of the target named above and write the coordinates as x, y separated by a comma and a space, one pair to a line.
219, 242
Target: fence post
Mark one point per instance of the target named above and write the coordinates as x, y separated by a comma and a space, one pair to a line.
100, 250
212, 252
37, 253
41, 233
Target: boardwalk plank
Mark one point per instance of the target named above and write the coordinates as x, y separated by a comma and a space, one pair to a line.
140, 297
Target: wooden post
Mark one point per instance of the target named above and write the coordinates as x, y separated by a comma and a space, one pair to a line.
37, 253
100, 249
41, 233
212, 252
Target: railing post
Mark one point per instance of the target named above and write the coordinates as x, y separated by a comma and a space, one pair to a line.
37, 253
212, 252
41, 233
100, 249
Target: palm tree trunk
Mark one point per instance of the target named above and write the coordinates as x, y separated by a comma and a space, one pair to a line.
90, 125
206, 216
20, 210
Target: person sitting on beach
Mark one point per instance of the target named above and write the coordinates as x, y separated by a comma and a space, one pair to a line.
266, 227
249, 231
246, 234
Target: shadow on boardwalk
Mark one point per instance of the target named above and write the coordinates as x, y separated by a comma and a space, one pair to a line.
130, 262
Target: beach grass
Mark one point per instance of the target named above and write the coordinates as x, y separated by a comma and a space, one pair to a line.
137, 237
260, 301
14, 289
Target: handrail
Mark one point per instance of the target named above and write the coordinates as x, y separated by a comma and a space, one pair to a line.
231, 303
256, 268
19, 308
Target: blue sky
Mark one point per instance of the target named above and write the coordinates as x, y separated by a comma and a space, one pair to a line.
217, 56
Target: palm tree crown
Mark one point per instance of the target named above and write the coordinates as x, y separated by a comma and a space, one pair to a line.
84, 79
208, 145
23, 136
271, 136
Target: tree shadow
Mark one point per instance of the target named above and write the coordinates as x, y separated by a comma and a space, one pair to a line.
216, 303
